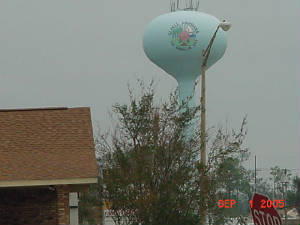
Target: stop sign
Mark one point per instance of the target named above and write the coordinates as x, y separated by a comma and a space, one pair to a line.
263, 215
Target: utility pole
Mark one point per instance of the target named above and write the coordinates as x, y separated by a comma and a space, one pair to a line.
284, 196
255, 173
273, 187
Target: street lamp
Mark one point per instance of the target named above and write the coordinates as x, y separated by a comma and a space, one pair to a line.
225, 26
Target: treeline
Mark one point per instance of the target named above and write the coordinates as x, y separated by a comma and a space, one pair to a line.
151, 171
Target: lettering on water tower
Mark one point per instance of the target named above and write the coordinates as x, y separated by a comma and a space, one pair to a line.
183, 35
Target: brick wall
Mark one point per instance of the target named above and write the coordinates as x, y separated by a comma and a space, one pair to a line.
35, 206
63, 209
28, 206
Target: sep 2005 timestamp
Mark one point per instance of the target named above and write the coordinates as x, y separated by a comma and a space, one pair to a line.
229, 203
269, 203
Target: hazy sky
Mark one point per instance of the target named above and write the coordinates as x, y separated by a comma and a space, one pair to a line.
83, 53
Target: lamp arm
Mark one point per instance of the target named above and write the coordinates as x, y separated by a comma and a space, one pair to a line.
207, 50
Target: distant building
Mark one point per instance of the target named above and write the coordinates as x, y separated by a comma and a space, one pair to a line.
291, 213
45, 154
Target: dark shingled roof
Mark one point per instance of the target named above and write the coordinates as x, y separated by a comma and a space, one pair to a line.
43, 144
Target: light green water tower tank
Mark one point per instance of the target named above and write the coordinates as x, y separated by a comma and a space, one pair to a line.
175, 42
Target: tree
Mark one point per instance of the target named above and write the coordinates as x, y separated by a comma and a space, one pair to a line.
263, 187
226, 157
152, 170
281, 181
293, 198
87, 202
235, 181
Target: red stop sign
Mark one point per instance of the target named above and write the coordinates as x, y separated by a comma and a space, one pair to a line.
264, 215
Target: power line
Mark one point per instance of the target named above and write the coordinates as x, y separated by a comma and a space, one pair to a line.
263, 169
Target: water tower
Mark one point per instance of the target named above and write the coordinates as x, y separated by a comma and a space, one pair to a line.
177, 41
185, 43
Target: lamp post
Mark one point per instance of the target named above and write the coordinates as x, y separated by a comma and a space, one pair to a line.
205, 54
224, 25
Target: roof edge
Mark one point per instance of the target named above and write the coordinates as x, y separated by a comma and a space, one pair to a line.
34, 109
26, 183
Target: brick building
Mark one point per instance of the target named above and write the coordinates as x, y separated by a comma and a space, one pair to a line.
45, 154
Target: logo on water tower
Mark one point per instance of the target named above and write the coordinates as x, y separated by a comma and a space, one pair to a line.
183, 35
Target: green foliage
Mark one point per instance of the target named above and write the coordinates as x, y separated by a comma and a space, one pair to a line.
293, 198
152, 173
87, 201
281, 179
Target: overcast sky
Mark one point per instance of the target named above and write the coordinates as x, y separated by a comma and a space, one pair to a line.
83, 53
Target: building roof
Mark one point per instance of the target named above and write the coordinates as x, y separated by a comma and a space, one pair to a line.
46, 146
